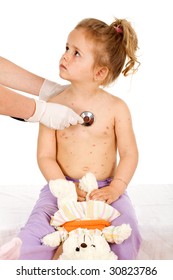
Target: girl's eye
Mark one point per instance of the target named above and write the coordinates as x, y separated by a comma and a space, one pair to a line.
66, 48
77, 53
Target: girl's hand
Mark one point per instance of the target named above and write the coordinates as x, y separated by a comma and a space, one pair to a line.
108, 194
81, 194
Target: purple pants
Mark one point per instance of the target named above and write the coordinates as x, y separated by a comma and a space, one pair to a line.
38, 225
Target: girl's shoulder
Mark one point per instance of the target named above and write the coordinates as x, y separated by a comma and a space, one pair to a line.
117, 105
116, 101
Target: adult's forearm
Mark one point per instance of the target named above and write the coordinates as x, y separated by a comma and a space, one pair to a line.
15, 105
15, 77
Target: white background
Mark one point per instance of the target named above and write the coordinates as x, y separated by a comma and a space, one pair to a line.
33, 35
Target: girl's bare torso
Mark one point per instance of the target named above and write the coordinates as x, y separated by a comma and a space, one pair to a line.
81, 149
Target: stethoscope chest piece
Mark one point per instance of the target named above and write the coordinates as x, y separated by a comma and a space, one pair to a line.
88, 118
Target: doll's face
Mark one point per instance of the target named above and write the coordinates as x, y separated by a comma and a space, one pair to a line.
86, 247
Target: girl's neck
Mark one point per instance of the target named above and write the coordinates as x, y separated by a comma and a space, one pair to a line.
83, 91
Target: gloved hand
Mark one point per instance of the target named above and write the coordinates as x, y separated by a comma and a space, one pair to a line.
50, 89
54, 115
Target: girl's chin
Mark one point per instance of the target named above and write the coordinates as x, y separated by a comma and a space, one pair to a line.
63, 76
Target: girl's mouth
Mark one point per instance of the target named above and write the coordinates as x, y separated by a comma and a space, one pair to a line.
62, 67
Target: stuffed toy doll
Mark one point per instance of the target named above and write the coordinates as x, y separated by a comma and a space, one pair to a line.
84, 228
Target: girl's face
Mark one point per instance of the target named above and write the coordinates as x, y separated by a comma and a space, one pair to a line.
76, 64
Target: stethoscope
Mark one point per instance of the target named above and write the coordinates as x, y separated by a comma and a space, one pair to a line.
87, 116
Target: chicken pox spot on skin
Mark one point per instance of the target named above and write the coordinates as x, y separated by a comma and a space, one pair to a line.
62, 134
106, 132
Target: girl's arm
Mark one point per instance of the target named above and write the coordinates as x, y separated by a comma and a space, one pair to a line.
46, 157
127, 149
128, 153
46, 154
15, 77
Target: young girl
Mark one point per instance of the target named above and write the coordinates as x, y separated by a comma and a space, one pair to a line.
95, 56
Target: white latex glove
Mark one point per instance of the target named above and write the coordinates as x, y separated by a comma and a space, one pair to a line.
50, 89
54, 115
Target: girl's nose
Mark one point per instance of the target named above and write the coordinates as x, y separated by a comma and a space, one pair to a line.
66, 56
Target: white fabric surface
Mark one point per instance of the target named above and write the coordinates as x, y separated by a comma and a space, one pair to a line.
16, 203
154, 210
153, 205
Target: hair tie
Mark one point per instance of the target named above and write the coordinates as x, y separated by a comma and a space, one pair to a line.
118, 29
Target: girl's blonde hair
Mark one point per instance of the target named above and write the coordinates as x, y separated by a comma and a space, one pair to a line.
114, 45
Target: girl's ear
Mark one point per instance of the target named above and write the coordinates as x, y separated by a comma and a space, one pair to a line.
100, 73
